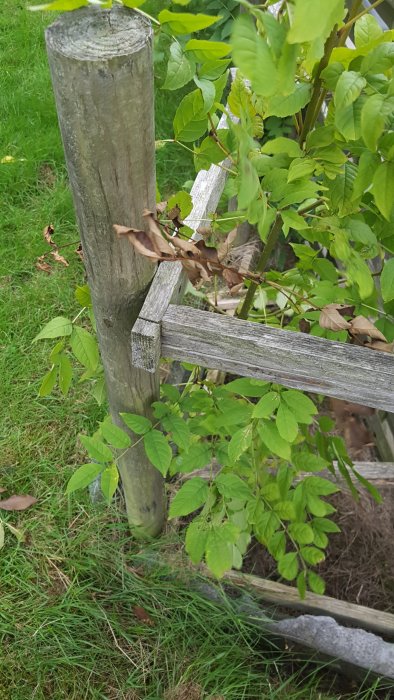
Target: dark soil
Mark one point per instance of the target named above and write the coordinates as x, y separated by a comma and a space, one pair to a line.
359, 567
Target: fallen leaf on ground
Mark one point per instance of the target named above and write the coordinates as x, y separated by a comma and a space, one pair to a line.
59, 258
141, 614
43, 266
378, 345
2, 489
48, 233
17, 502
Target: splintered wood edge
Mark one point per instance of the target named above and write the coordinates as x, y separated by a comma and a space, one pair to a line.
286, 596
284, 357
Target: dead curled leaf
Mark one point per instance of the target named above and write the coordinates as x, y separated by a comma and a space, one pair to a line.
331, 318
17, 502
362, 326
48, 233
43, 266
59, 258
141, 614
200, 261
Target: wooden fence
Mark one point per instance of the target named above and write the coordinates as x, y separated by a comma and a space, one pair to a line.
101, 65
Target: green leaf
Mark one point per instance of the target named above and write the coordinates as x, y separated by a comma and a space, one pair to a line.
331, 75
348, 88
249, 183
293, 220
180, 69
191, 496
99, 391
239, 443
372, 120
312, 555
282, 145
341, 190
286, 423
270, 437
366, 168
285, 510
247, 387
58, 327
96, 449
302, 533
83, 296
183, 201
300, 168
252, 55
195, 541
84, 347
366, 29
359, 273
190, 121
387, 280
300, 405
288, 566
60, 5
316, 583
308, 462
286, 105
84, 476
267, 405
318, 486
348, 120
383, 188
325, 525
65, 374
213, 69
301, 584
207, 91
115, 435
379, 60
284, 478
179, 429
138, 424
314, 19
184, 22
48, 382
158, 450
232, 486
318, 507
109, 482
219, 550
205, 50
207, 154
197, 457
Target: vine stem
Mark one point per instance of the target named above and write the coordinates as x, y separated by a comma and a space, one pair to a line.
261, 265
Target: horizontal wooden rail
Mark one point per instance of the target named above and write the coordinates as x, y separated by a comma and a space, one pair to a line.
293, 359
286, 596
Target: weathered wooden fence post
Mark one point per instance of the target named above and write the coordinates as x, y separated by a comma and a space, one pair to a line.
102, 74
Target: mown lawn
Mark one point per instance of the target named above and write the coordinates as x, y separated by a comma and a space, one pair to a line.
69, 625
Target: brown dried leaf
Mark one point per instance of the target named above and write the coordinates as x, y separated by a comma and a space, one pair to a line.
174, 213
330, 318
208, 252
232, 277
195, 271
155, 234
344, 309
2, 489
304, 326
43, 266
225, 247
48, 233
78, 251
161, 207
185, 246
378, 345
141, 614
140, 240
59, 258
17, 502
362, 326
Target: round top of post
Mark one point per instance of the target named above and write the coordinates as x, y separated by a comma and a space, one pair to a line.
94, 34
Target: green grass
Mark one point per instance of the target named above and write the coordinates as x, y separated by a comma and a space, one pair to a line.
67, 591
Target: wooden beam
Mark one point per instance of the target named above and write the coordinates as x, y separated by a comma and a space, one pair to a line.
286, 596
102, 75
292, 359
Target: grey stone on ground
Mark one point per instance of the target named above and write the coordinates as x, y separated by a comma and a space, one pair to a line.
355, 646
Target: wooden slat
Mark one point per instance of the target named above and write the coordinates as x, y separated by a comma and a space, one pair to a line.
293, 359
288, 597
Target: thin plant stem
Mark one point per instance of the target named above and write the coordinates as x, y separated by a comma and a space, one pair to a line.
353, 18
261, 265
